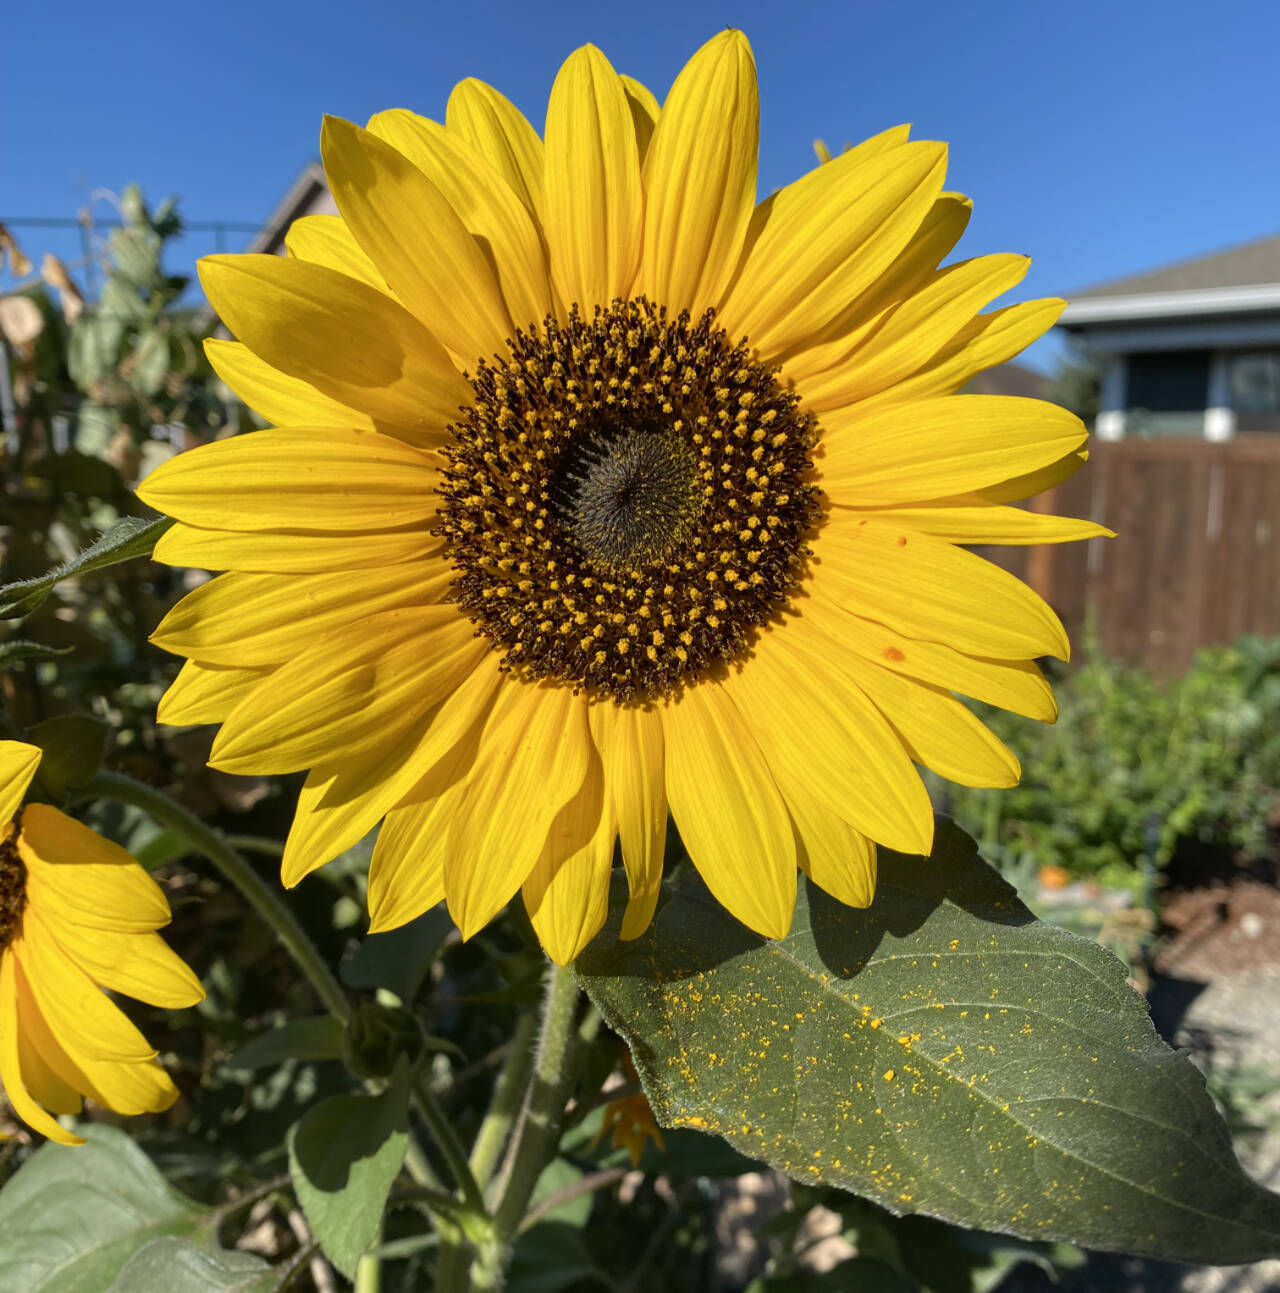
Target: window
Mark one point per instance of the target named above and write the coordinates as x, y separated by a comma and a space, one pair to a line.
1168, 392
1253, 380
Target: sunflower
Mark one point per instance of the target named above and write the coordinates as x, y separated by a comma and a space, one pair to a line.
77, 914
597, 489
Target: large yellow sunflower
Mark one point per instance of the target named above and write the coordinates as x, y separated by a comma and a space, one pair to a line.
77, 914
599, 489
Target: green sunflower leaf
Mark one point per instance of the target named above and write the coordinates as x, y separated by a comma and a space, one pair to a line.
129, 537
942, 1052
344, 1154
73, 1219
172, 1265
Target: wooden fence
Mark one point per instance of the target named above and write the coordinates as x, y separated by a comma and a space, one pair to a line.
1196, 560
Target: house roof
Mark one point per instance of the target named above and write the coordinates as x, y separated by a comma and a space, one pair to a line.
1236, 280
1249, 264
1011, 379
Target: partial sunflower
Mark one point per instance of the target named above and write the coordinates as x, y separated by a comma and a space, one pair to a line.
598, 490
77, 914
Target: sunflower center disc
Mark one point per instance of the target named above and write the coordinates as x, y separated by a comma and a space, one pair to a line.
626, 499
13, 889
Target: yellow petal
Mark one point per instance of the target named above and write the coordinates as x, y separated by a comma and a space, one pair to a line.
821, 357
10, 1066
406, 872
1018, 487
631, 747
934, 448
266, 552
81, 1015
264, 620
414, 236
84, 877
838, 858
44, 1083
988, 340
128, 1088
532, 761
343, 800
327, 240
1015, 685
486, 205
139, 965
499, 131
282, 400
206, 693
972, 521
297, 479
917, 328
567, 892
644, 112
347, 339
862, 771
18, 763
350, 692
727, 808
929, 589
700, 177
827, 237
593, 198
939, 731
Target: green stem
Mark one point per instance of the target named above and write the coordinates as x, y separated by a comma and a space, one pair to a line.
446, 1139
210, 842
508, 1094
539, 1132
256, 844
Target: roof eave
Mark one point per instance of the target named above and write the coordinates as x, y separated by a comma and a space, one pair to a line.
1156, 306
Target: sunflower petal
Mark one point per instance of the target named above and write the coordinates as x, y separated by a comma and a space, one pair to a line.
533, 760
631, 747
271, 553
863, 773
700, 177
342, 801
988, 340
594, 200
18, 764
292, 479
727, 808
828, 237
484, 202
644, 112
206, 693
821, 357
939, 731
929, 589
297, 317
917, 328
406, 872
934, 448
85, 878
838, 858
351, 691
973, 521
78, 1011
498, 130
142, 966
11, 1067
412, 233
328, 240
258, 621
567, 892
282, 400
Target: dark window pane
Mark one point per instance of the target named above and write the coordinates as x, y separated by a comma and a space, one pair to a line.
1172, 382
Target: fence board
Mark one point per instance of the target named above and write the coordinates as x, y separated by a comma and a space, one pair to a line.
1196, 560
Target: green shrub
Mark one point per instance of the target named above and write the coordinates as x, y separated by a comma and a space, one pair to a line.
1135, 765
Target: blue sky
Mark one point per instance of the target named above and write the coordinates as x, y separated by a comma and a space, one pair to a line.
1101, 138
